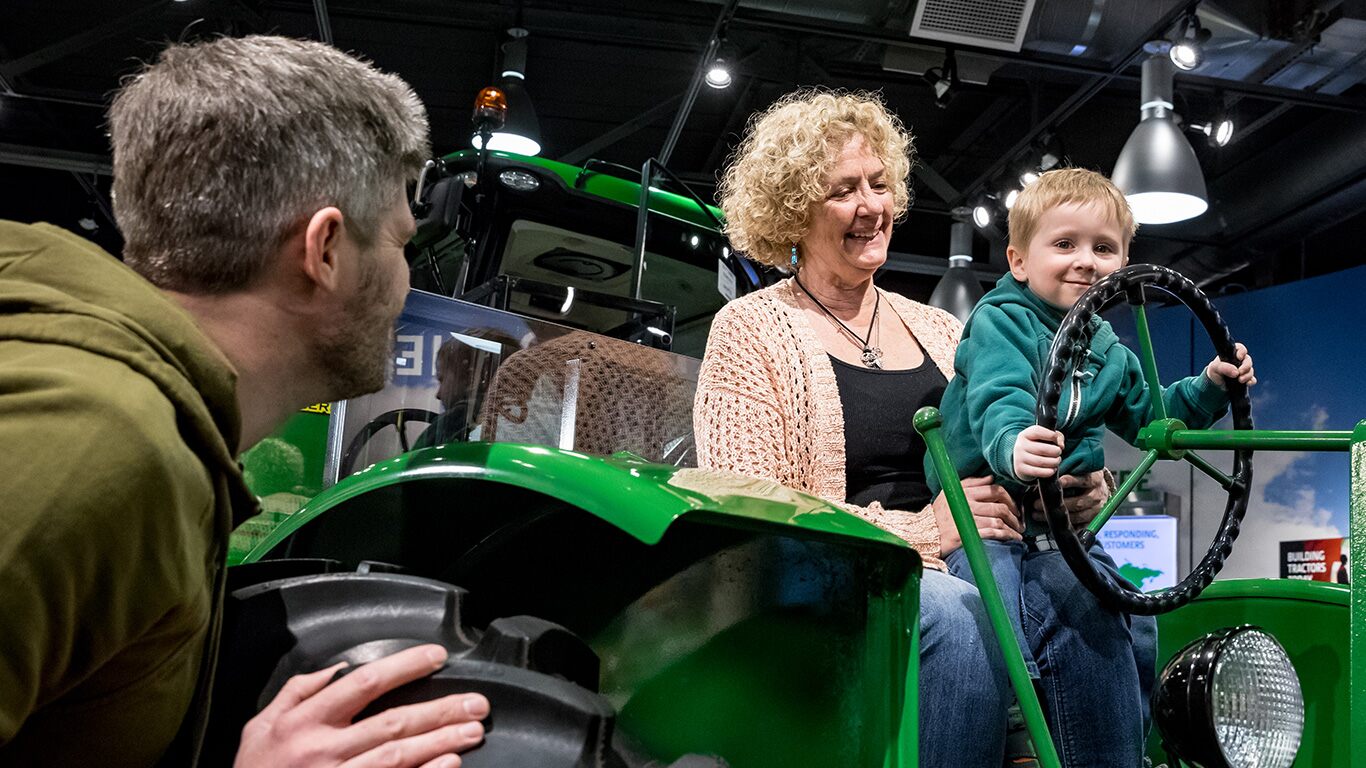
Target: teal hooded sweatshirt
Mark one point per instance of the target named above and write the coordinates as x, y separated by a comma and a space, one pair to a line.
997, 370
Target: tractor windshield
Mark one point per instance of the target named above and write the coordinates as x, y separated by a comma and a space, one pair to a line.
464, 372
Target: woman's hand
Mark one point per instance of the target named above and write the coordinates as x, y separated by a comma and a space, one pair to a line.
1083, 508
992, 509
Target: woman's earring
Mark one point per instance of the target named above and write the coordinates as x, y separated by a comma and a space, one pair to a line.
794, 255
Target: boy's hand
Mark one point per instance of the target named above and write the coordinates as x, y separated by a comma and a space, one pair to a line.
1220, 372
1038, 452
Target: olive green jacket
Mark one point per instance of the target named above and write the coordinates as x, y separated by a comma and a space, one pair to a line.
118, 429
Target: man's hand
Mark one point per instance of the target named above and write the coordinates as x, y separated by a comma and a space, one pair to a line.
1082, 508
992, 510
309, 722
1220, 372
1038, 452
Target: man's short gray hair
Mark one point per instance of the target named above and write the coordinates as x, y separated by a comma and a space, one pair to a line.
222, 149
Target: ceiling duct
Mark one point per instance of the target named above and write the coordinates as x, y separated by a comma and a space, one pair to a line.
1000, 25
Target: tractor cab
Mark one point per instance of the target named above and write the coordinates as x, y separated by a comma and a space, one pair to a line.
631, 255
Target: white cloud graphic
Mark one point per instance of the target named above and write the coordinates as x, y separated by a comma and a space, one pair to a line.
1257, 552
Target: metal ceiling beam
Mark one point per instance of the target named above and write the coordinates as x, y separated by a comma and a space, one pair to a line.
96, 197
55, 159
1283, 107
642, 120
79, 42
836, 30
937, 184
739, 112
324, 23
708, 56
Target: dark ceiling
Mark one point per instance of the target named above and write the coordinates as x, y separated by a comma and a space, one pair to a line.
1288, 194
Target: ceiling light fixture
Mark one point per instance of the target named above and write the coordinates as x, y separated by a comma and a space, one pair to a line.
718, 74
521, 132
959, 289
1050, 152
1157, 169
1187, 50
944, 80
1218, 131
1009, 200
1028, 177
981, 214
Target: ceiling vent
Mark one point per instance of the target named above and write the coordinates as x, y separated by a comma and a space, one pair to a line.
996, 24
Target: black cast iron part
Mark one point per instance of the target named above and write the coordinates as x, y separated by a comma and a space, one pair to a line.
540, 679
1068, 350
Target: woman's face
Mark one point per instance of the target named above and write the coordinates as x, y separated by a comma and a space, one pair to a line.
849, 229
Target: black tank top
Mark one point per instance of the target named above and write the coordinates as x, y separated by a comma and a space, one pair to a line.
884, 457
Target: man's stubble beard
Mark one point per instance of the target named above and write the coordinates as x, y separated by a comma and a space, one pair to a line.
354, 355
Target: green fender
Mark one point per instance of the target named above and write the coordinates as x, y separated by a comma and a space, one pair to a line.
638, 497
817, 673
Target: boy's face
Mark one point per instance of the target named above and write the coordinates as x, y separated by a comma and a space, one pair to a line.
1074, 245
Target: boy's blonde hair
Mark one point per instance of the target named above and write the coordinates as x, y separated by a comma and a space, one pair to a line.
1067, 185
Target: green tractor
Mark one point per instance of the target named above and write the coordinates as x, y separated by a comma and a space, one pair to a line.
524, 491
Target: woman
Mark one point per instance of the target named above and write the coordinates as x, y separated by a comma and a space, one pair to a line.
813, 382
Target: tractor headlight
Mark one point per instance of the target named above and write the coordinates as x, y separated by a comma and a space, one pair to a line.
1231, 699
519, 181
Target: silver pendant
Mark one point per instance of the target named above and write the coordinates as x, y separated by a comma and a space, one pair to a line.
872, 357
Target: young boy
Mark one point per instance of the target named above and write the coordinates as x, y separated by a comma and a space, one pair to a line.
1069, 229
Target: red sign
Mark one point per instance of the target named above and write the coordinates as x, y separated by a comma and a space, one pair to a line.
1315, 560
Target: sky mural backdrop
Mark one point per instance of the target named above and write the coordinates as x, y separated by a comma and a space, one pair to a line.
1308, 341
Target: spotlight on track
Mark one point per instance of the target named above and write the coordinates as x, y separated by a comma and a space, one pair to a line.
1219, 131
718, 74
944, 79
1050, 152
981, 214
1187, 50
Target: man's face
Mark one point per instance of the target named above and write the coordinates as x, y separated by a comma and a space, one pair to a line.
354, 352
1074, 246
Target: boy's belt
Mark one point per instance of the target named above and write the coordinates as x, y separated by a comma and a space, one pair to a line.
1040, 543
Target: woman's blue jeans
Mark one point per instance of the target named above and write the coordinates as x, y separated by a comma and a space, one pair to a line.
964, 690
1096, 668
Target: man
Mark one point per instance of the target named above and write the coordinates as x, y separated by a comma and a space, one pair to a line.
259, 184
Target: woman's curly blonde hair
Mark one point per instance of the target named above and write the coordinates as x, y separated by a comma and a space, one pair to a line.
782, 162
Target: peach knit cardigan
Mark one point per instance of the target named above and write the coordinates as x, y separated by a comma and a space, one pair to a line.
767, 404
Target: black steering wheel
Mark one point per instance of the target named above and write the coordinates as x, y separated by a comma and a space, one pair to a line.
396, 418
1067, 353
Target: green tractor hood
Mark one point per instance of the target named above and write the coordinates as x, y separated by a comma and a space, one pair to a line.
640, 498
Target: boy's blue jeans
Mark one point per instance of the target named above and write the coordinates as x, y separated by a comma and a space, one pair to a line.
1094, 668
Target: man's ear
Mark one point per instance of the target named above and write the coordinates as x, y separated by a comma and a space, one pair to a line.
1016, 258
322, 236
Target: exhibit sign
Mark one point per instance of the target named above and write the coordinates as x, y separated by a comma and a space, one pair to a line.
1144, 549
1315, 560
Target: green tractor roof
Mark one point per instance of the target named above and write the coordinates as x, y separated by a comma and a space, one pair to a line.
593, 178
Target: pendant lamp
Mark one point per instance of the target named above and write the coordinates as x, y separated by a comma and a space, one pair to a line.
1157, 170
521, 133
959, 289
